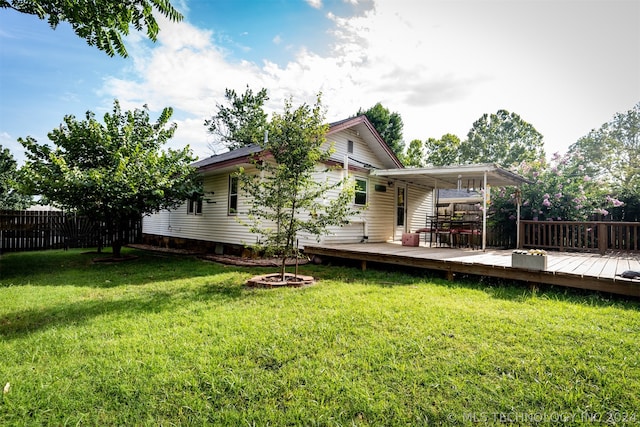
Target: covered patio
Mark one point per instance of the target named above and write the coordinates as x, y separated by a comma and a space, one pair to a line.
477, 178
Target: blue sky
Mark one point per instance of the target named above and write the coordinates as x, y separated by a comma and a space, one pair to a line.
565, 66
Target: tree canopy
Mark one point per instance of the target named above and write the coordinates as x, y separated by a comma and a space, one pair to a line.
389, 125
502, 138
288, 195
613, 150
102, 23
10, 197
444, 151
415, 155
112, 172
242, 122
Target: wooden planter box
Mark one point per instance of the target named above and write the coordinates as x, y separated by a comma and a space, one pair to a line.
529, 262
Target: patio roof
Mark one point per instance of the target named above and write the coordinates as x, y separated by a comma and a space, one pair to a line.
449, 176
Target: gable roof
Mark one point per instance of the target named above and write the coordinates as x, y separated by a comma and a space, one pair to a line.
360, 124
369, 133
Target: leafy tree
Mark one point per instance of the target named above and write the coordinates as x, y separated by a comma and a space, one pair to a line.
444, 151
10, 198
613, 152
502, 138
287, 196
389, 126
113, 172
241, 123
415, 155
561, 190
102, 23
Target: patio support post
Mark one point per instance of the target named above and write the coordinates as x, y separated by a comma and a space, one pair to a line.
484, 213
518, 204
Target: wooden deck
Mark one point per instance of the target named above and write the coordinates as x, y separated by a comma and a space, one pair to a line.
576, 270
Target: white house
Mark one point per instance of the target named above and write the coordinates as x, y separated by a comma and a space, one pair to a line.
390, 199
387, 206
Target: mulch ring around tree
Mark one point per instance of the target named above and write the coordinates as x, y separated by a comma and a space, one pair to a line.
274, 280
107, 257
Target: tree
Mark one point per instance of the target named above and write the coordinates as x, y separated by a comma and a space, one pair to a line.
502, 138
241, 123
389, 126
415, 156
102, 23
560, 190
113, 172
287, 195
613, 153
10, 197
444, 151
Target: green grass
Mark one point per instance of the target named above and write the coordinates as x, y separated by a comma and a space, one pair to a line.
166, 340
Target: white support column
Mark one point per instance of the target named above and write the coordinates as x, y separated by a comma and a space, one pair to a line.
518, 203
484, 213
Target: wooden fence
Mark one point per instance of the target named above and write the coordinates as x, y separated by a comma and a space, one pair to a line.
38, 230
595, 236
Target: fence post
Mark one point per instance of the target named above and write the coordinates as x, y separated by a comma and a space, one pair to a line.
521, 233
603, 238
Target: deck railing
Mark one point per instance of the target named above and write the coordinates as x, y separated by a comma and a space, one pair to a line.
593, 236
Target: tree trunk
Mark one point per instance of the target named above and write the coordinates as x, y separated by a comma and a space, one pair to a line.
283, 267
116, 247
116, 235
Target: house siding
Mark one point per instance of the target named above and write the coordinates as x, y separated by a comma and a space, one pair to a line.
420, 201
214, 224
362, 153
376, 221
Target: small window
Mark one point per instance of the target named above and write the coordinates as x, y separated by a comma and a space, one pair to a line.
361, 192
350, 147
233, 195
194, 206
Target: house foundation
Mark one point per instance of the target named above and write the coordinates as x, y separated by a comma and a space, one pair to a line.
200, 246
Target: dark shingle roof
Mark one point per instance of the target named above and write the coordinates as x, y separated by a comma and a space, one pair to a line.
229, 155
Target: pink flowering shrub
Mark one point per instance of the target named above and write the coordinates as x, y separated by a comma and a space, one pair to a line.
560, 190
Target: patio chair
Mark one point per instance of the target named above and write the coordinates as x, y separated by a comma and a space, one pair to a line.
469, 234
443, 231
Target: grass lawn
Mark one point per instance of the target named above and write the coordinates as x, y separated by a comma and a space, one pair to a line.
168, 340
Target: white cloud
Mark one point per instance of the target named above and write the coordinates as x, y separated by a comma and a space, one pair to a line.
441, 65
316, 4
277, 39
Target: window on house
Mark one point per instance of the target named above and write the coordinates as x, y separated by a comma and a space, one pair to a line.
194, 205
361, 191
350, 147
233, 195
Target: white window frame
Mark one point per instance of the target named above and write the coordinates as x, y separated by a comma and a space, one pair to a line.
231, 211
365, 192
194, 206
